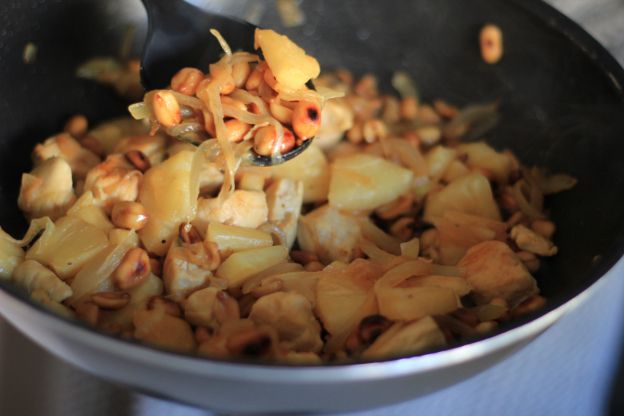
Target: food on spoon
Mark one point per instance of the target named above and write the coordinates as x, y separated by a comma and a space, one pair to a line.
393, 236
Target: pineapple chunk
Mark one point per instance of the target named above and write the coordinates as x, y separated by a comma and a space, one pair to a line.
95, 275
406, 339
365, 182
311, 168
244, 264
33, 276
68, 245
230, 238
87, 210
11, 254
438, 160
344, 297
169, 194
471, 194
330, 234
495, 271
289, 63
481, 155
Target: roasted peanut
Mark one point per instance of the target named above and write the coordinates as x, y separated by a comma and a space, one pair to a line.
168, 306
166, 108
265, 141
303, 257
76, 126
371, 327
269, 78
530, 305
374, 130
255, 78
491, 43
186, 80
281, 113
250, 343
129, 215
133, 269
306, 119
408, 108
544, 228
138, 160
189, 234
111, 300
88, 312
445, 109
240, 73
236, 130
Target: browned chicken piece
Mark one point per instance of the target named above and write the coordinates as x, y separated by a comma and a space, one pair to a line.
495, 271
188, 268
292, 317
153, 147
284, 200
330, 234
157, 327
530, 241
243, 208
47, 190
80, 159
112, 181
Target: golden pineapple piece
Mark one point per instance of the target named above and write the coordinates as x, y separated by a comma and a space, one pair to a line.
11, 254
470, 194
482, 156
87, 209
231, 238
311, 168
244, 264
242, 208
169, 195
289, 63
68, 245
365, 182
32, 276
406, 338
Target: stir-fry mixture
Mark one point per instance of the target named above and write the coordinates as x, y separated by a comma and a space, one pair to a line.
392, 234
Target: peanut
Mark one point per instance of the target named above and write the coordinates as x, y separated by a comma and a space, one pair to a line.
265, 141
166, 108
491, 43
129, 215
306, 119
186, 80
133, 269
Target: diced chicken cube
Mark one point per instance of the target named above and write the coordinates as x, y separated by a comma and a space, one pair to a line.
284, 199
186, 269
157, 327
495, 271
330, 234
291, 315
80, 159
243, 208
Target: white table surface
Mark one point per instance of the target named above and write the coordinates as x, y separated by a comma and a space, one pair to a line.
567, 371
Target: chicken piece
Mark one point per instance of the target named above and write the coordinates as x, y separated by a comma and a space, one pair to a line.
406, 339
284, 199
242, 208
291, 315
336, 119
330, 234
530, 241
47, 190
32, 276
210, 307
80, 159
156, 327
495, 271
112, 181
189, 267
11, 254
210, 178
151, 146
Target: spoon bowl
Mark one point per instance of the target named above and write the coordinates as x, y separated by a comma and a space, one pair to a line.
178, 36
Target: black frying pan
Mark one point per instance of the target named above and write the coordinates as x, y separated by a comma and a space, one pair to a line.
561, 95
